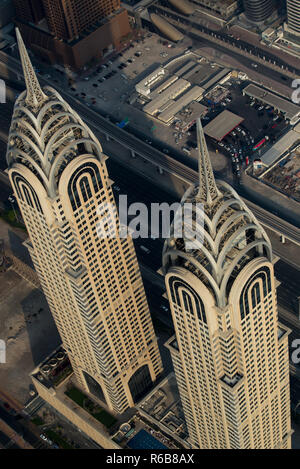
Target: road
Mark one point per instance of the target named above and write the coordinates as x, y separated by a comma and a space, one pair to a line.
21, 428
257, 53
150, 154
147, 192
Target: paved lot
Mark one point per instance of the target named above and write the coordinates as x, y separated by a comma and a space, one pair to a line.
26, 324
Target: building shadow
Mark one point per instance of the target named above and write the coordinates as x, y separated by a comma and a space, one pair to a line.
41, 329
18, 249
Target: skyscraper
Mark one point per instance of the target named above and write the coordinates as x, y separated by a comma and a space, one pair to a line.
90, 276
293, 13
67, 19
7, 12
72, 32
29, 10
258, 10
230, 353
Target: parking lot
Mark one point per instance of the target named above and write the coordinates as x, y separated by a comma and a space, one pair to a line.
114, 81
108, 88
261, 127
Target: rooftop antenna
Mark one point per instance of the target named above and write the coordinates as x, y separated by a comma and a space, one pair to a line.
35, 96
208, 190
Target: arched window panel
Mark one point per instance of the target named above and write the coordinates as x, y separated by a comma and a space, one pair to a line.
186, 298
25, 192
84, 183
255, 290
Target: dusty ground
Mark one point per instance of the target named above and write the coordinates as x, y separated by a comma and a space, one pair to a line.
26, 324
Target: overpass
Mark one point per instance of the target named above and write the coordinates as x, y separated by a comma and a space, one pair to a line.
101, 125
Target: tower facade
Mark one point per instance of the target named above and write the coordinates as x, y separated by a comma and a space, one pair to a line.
230, 353
293, 14
258, 10
68, 18
89, 273
72, 32
29, 10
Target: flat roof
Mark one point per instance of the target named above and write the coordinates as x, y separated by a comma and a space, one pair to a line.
216, 78
195, 93
149, 81
196, 110
222, 125
163, 85
280, 147
185, 68
288, 108
169, 93
192, 71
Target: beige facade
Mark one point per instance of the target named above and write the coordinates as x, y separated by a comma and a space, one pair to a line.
90, 276
57, 398
230, 353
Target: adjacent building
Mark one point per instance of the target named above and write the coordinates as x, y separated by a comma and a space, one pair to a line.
225, 9
72, 32
230, 353
67, 19
88, 271
6, 12
30, 11
258, 11
293, 14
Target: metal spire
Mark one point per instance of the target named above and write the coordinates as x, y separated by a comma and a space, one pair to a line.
208, 190
35, 96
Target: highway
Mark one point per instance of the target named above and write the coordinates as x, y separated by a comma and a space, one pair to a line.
101, 125
214, 36
139, 189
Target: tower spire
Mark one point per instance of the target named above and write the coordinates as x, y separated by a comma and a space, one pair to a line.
35, 96
208, 190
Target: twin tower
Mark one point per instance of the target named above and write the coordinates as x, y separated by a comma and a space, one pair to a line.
229, 352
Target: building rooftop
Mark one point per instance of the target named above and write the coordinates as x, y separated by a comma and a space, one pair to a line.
290, 109
55, 368
191, 95
162, 406
171, 92
222, 125
187, 116
284, 144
